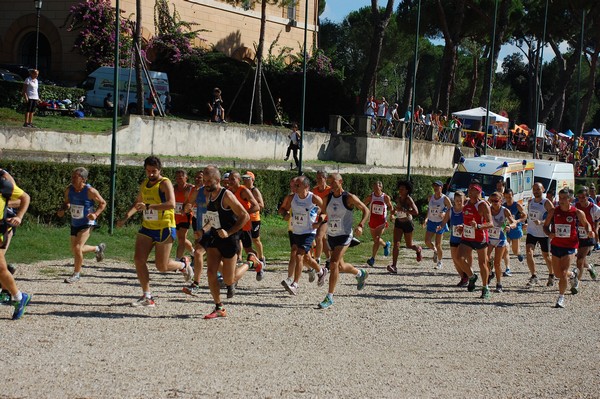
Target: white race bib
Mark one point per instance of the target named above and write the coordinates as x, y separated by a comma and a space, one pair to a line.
494, 233
583, 233
435, 211
563, 230
455, 232
534, 215
212, 217
77, 211
401, 215
300, 219
468, 231
150, 214
179, 208
378, 209
334, 225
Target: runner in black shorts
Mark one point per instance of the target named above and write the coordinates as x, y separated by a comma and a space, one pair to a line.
404, 212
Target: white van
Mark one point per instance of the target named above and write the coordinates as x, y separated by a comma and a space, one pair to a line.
101, 82
554, 175
517, 174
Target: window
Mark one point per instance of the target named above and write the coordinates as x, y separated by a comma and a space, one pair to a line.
528, 179
291, 11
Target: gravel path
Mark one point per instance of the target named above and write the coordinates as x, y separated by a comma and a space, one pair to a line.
409, 335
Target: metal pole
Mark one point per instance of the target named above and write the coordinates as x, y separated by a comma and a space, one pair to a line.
576, 133
539, 86
303, 113
489, 99
113, 148
37, 37
414, 95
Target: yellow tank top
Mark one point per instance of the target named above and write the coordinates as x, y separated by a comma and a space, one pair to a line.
153, 219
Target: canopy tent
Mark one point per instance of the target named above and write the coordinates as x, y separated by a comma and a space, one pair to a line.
592, 133
568, 133
478, 114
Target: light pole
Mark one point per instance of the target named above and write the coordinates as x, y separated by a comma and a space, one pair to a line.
38, 6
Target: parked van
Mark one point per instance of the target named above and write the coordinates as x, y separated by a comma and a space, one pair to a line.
489, 170
101, 82
554, 175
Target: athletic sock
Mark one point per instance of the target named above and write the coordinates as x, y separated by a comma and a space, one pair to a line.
320, 273
147, 294
18, 297
330, 295
359, 274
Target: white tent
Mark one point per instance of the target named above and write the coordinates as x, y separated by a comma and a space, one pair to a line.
478, 113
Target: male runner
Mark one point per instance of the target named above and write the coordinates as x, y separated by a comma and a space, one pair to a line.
438, 205
182, 191
322, 191
248, 180
537, 211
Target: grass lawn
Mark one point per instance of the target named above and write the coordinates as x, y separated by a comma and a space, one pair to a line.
10, 117
36, 242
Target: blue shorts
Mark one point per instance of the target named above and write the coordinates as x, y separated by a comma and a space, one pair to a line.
338, 241
159, 235
75, 230
497, 243
560, 252
303, 241
515, 234
432, 226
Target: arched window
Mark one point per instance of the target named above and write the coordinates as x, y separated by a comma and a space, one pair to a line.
27, 52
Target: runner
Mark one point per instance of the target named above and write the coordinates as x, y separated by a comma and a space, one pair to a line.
586, 243
12, 195
477, 219
339, 207
514, 235
245, 197
6, 229
283, 211
156, 201
537, 211
304, 208
196, 206
80, 199
379, 203
564, 240
322, 191
503, 221
438, 205
403, 224
455, 218
225, 216
182, 191
248, 180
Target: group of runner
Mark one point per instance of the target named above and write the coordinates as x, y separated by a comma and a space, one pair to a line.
224, 214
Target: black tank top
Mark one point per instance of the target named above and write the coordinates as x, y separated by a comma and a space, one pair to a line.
226, 216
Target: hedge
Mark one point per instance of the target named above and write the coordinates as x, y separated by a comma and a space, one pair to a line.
11, 94
45, 182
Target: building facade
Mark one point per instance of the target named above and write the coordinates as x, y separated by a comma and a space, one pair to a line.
233, 30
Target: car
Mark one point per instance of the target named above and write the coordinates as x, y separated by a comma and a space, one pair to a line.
20, 70
9, 76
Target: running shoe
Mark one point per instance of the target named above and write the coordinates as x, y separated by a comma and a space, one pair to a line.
498, 288
100, 252
507, 273
491, 277
463, 282
231, 290
560, 303
354, 242
575, 282
360, 281
327, 302
520, 258
188, 271
74, 278
592, 271
485, 293
392, 269
20, 306
220, 280
419, 254
471, 284
386, 249
11, 268
290, 287
312, 275
371, 262
533, 281
321, 279
218, 312
551, 280
193, 289
144, 302
435, 256
327, 263
5, 298
439, 265
258, 266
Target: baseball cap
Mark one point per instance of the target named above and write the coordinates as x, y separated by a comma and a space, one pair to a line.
248, 175
225, 175
438, 183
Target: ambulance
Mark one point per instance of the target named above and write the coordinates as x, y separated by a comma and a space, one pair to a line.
489, 170
553, 175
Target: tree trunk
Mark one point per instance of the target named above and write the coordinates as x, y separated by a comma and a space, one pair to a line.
138, 62
473, 83
408, 87
258, 106
587, 97
557, 102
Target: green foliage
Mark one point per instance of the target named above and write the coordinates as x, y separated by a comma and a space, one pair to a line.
11, 93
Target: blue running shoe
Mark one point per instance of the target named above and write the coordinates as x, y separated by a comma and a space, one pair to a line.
360, 281
520, 258
371, 262
20, 306
471, 285
327, 302
386, 249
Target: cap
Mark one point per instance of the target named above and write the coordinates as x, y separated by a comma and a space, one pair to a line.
593, 186
225, 176
438, 183
248, 175
476, 186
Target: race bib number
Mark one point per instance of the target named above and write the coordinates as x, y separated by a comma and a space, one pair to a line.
151, 215
455, 231
495, 233
563, 230
179, 208
300, 220
212, 217
401, 215
378, 209
435, 211
583, 234
468, 231
534, 215
77, 211
334, 225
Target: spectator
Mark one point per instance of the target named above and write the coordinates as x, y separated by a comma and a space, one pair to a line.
108, 102
381, 113
122, 106
216, 107
294, 145
168, 104
30, 93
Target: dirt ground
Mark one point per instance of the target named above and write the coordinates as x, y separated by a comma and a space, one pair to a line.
408, 335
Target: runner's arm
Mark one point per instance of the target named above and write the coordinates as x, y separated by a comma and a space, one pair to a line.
95, 196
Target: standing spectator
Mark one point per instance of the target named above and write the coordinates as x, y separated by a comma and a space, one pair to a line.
217, 111
370, 107
122, 106
108, 102
30, 92
381, 112
168, 103
294, 145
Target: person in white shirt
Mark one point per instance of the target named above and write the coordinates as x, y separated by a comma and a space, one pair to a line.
30, 93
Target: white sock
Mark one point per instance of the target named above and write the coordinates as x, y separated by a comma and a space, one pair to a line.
147, 294
18, 297
295, 284
359, 274
320, 273
97, 249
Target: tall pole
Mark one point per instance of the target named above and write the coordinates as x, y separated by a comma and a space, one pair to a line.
489, 99
303, 89
414, 94
38, 7
113, 147
539, 85
577, 133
